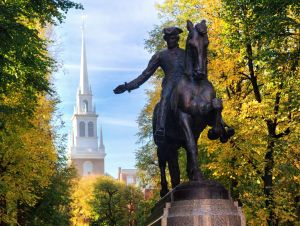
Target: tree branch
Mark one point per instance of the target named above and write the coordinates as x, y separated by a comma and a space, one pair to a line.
245, 75
286, 132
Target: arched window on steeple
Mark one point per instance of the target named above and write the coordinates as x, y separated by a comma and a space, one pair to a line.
90, 129
82, 129
85, 106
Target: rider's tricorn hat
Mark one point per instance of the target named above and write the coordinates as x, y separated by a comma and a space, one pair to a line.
172, 31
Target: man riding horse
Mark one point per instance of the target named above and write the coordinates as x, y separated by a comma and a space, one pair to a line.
188, 100
171, 60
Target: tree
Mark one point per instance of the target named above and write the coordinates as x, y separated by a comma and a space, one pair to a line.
53, 206
108, 205
133, 198
25, 63
27, 161
146, 157
28, 157
264, 34
253, 64
114, 203
81, 198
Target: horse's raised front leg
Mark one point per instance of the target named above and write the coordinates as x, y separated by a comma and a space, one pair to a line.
191, 147
228, 132
162, 161
217, 129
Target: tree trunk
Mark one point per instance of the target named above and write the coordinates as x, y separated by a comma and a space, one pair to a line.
269, 160
268, 182
253, 77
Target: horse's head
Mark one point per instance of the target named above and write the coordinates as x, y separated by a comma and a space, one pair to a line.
196, 47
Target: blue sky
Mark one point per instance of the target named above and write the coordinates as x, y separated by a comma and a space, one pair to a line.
115, 34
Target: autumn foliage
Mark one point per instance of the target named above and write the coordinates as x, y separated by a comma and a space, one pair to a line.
254, 66
34, 177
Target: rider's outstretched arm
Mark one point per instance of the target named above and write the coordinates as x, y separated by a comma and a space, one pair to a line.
146, 74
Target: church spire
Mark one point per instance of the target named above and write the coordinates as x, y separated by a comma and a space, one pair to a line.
86, 154
84, 82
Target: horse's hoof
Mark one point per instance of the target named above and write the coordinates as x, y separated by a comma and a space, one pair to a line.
163, 192
197, 175
224, 139
230, 131
212, 134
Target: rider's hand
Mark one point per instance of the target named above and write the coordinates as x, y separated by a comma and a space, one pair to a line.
120, 89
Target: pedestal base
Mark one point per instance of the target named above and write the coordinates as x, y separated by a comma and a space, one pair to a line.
201, 203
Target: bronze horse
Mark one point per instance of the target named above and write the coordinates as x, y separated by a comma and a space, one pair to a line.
193, 106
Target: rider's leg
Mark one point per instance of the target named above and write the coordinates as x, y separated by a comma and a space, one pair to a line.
162, 112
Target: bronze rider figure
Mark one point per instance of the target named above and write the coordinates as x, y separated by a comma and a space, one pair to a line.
171, 60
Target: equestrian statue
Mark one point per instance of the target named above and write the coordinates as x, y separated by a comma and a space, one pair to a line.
188, 102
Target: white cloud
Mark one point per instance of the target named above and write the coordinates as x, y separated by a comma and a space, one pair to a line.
115, 33
118, 122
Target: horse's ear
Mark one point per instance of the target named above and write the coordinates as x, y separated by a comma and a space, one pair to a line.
189, 25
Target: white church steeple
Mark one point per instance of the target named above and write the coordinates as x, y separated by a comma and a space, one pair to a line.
84, 80
87, 154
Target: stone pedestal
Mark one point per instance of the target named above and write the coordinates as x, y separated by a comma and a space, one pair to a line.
201, 203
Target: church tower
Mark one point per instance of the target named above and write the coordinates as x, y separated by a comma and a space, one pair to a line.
86, 149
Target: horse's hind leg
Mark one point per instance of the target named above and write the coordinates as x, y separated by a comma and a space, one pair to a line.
173, 165
162, 162
189, 171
